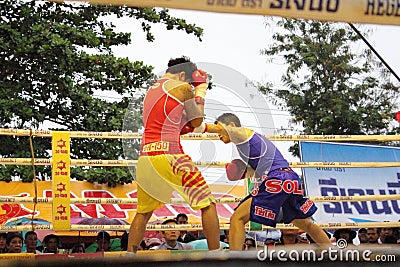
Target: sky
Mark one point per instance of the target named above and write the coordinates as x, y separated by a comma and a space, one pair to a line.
235, 41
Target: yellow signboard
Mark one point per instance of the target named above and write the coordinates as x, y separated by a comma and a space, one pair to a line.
354, 11
61, 180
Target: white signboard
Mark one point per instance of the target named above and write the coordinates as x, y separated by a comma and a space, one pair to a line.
352, 181
354, 11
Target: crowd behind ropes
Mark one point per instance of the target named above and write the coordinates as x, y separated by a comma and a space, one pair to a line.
17, 242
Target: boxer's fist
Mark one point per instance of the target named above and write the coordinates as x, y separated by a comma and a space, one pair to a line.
185, 126
236, 170
200, 83
199, 77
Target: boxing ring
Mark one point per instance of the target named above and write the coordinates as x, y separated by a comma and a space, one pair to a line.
164, 258
351, 11
61, 221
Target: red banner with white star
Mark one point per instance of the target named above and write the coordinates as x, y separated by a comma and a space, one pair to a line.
61, 180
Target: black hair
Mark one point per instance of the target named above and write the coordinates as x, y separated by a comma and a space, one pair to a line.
176, 65
183, 215
30, 233
103, 236
227, 118
47, 238
12, 235
312, 241
252, 240
352, 233
124, 241
389, 240
76, 246
169, 221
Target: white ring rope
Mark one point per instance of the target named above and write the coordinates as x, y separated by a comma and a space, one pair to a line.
199, 136
211, 164
192, 227
224, 200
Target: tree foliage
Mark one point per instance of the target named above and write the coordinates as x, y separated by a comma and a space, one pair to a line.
329, 88
55, 61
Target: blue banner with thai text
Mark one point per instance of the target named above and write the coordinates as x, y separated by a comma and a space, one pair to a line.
352, 181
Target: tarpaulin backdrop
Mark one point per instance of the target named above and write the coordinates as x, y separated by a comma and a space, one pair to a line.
11, 211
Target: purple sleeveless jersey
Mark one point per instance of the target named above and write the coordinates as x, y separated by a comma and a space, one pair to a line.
261, 154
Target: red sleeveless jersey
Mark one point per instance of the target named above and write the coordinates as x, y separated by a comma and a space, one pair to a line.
162, 115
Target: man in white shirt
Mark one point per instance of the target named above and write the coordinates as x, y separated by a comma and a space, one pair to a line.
171, 239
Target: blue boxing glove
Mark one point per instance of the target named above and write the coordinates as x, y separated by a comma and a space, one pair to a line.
236, 170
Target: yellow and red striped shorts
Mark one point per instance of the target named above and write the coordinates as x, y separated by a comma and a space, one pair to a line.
158, 176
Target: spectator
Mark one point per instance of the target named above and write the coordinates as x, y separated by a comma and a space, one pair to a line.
362, 236
201, 244
346, 234
226, 237
51, 244
384, 233
289, 237
270, 242
373, 235
3, 238
312, 241
152, 243
272, 238
103, 241
249, 243
143, 246
31, 242
185, 236
124, 241
171, 239
389, 240
14, 242
303, 239
78, 248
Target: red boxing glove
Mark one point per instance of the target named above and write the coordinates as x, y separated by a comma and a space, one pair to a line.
236, 170
188, 128
185, 126
199, 77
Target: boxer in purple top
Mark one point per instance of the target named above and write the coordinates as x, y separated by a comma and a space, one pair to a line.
279, 188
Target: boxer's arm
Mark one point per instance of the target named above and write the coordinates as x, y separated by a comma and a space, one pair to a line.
212, 128
194, 101
194, 111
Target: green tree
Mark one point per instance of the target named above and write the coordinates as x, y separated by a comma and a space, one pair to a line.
55, 59
328, 88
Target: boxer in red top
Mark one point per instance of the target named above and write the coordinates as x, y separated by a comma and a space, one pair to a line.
173, 105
